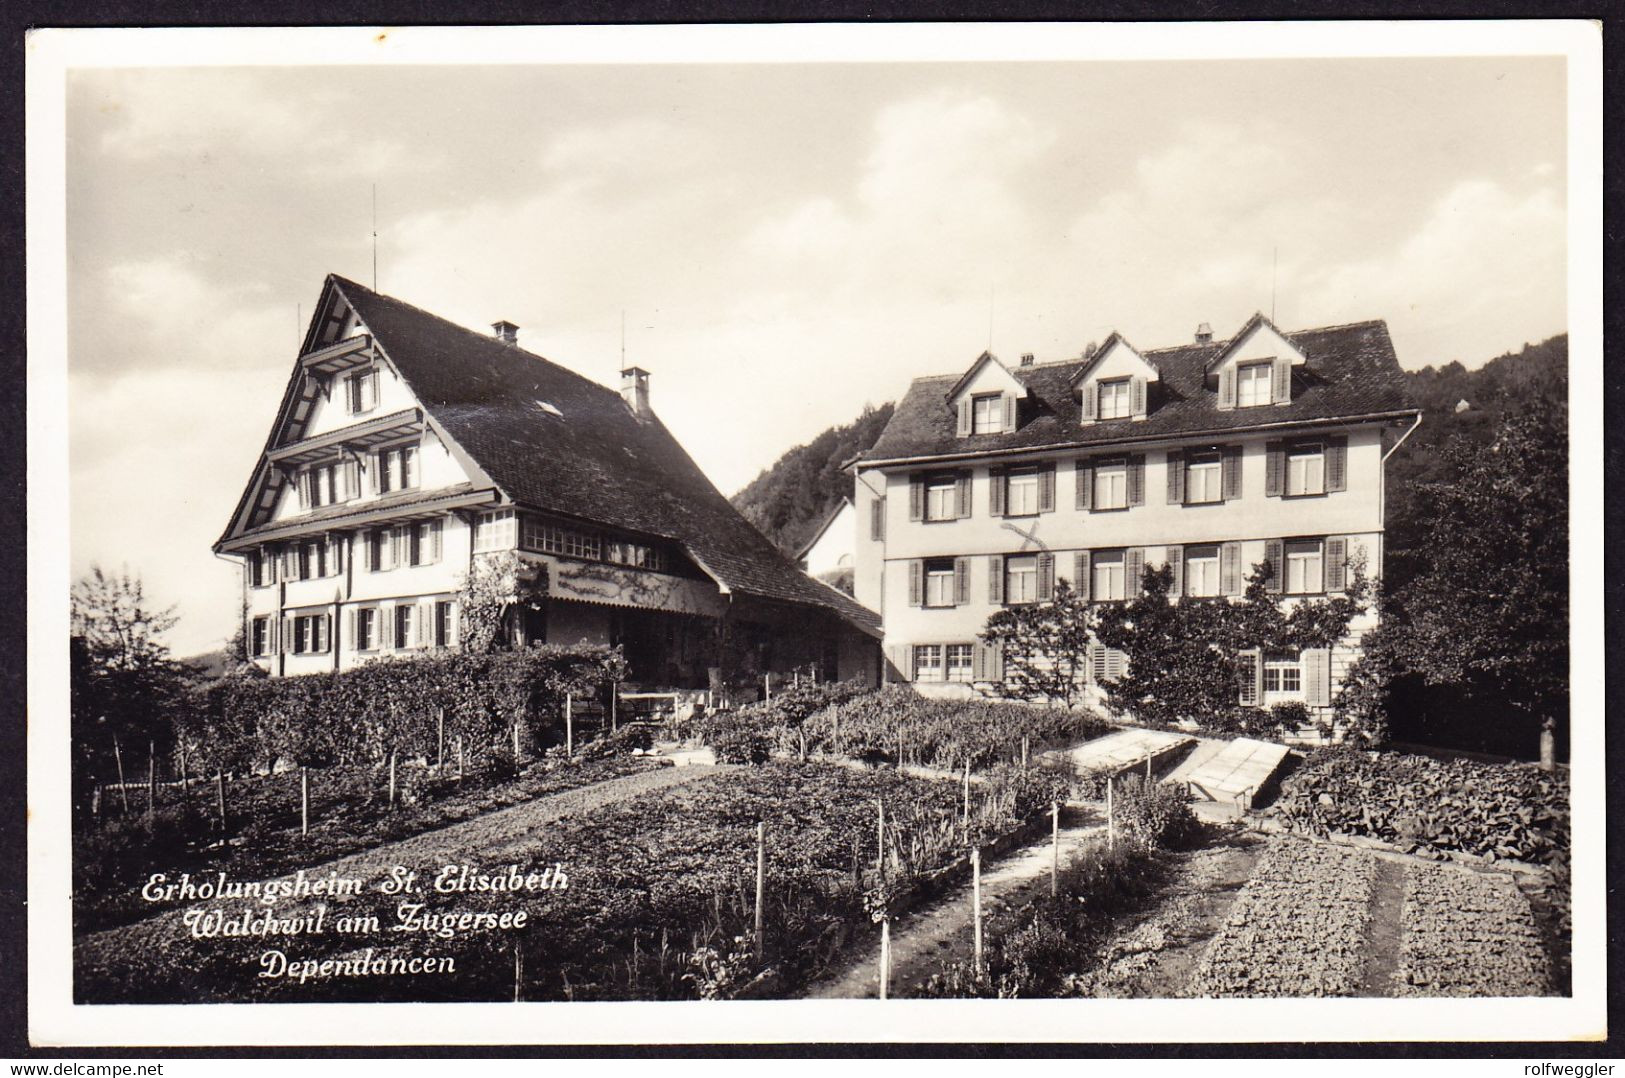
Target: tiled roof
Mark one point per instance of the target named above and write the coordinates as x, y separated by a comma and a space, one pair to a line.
1350, 371
593, 460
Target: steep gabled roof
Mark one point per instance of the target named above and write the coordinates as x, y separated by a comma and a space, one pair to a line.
829, 518
584, 456
1241, 335
1351, 372
981, 361
1105, 348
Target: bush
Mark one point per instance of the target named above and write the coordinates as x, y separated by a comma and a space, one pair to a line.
1153, 815
750, 734
1429, 806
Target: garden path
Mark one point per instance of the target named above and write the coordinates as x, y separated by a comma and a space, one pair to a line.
918, 938
489, 842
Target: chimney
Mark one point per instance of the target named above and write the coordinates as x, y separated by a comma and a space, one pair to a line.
506, 332
635, 391
1204, 334
1026, 359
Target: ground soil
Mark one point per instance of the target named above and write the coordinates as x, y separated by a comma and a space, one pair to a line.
1384, 930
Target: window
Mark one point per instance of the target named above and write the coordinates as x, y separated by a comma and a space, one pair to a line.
987, 414
553, 539
941, 498
309, 634
312, 559
424, 542
927, 662
1306, 469
397, 468
1204, 477
1283, 678
1111, 484
1021, 493
959, 662
259, 637
1303, 567
636, 555
1021, 579
1107, 576
260, 565
1253, 384
361, 391
939, 582
404, 637
380, 549
445, 624
494, 529
1114, 399
366, 629
1202, 571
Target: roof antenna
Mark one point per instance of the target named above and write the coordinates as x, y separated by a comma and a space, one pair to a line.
375, 237
623, 338
990, 321
1275, 256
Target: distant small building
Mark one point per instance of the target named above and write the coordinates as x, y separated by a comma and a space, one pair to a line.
834, 545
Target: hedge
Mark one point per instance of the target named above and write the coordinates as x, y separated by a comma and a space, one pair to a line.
1434, 807
246, 721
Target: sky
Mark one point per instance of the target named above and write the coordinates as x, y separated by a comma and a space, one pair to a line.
788, 242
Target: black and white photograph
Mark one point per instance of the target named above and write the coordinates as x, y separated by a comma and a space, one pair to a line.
1064, 526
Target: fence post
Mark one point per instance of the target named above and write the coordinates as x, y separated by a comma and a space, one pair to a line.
118, 760
885, 956
96, 800
976, 903
440, 737
569, 726
516, 745
967, 796
152, 783
1024, 755
391, 778
518, 970
880, 840
220, 797
761, 880
304, 800
1055, 848
1111, 817
1148, 771
615, 706
459, 757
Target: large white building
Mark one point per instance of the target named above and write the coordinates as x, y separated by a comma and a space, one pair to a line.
989, 485
407, 447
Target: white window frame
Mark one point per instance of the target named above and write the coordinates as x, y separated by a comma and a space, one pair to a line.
1021, 493
1111, 484
1114, 399
1305, 468
1253, 383
928, 662
495, 529
1304, 566
958, 663
942, 498
940, 583
1108, 570
361, 391
366, 628
1204, 479
403, 635
445, 622
259, 637
1202, 571
987, 413
1285, 674
1020, 579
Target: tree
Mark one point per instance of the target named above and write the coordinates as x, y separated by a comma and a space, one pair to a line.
1488, 605
1045, 645
496, 584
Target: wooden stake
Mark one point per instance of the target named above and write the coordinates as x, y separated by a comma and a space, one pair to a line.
96, 800
885, 956
440, 737
761, 880
118, 760
220, 797
459, 757
391, 778
516, 746
615, 706
304, 800
1148, 771
152, 782
880, 840
976, 903
518, 970
1024, 752
1055, 848
967, 796
569, 726
1111, 818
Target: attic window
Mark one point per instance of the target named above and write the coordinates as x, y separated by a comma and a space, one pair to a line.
1114, 399
550, 409
987, 413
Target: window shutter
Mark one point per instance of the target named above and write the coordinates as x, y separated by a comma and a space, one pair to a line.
352, 395
386, 627
965, 417
273, 636
978, 661
1282, 381
327, 632
302, 483
1091, 401
1137, 396
1046, 577
1249, 677
436, 544
1176, 478
453, 625
287, 641
1133, 571
1274, 554
962, 505
352, 478
1176, 565
877, 520
352, 637
1085, 474
995, 579
1274, 467
1337, 563
1230, 466
1097, 663
996, 661
916, 497
897, 658
1009, 411
1230, 569
1317, 677
961, 581
335, 553
375, 466
1136, 479
1046, 488
1116, 664
1227, 388
1337, 456
916, 582
398, 550
997, 488
1080, 574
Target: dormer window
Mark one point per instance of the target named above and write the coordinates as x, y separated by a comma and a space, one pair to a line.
1115, 402
1253, 384
987, 413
